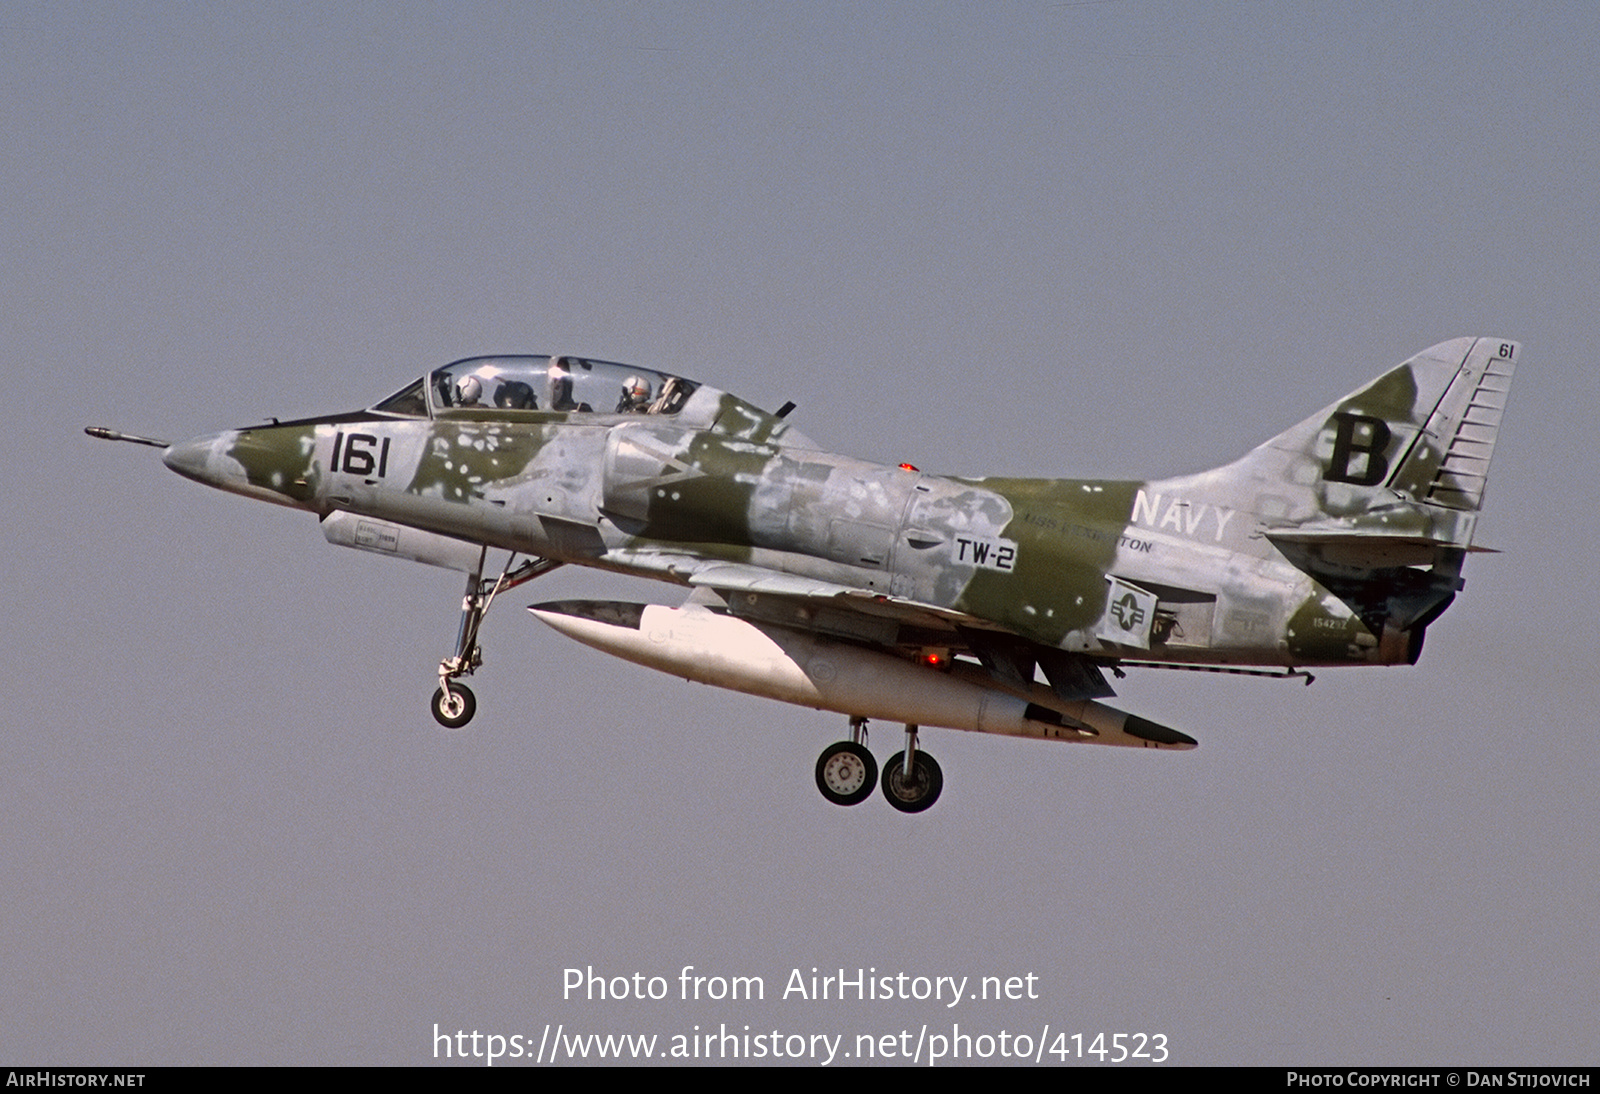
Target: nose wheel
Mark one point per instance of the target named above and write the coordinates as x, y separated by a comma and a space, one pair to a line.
454, 705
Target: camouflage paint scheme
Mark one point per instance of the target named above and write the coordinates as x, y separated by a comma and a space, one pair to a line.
1337, 542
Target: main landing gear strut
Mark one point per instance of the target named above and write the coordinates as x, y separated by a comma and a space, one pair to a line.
454, 704
847, 773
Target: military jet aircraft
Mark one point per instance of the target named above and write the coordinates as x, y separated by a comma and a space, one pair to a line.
878, 592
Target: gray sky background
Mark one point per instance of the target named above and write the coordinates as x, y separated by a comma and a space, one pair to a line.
1096, 239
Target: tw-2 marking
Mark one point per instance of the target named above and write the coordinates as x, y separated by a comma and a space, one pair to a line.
986, 553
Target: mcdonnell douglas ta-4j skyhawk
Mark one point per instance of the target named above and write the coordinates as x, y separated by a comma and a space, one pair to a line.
994, 605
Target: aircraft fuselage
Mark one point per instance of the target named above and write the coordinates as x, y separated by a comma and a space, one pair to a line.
1032, 555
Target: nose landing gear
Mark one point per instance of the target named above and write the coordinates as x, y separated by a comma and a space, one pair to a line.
454, 704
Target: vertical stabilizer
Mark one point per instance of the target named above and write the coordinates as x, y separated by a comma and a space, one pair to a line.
1404, 458
1377, 496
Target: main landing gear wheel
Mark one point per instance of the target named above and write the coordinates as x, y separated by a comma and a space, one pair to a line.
846, 773
454, 708
917, 792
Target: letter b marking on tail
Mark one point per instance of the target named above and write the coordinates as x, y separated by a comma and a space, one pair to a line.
1346, 445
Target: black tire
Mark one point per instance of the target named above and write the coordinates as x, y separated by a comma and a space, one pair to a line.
457, 713
921, 790
846, 773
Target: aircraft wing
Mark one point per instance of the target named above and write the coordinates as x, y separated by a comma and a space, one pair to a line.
879, 620
738, 578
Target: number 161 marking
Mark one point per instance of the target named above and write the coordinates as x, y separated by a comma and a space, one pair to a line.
358, 459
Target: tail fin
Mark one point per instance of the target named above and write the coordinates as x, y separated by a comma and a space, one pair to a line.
1404, 458
1377, 496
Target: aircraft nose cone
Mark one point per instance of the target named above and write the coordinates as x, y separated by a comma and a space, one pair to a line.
268, 463
190, 459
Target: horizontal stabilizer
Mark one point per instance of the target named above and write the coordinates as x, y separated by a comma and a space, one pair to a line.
1369, 550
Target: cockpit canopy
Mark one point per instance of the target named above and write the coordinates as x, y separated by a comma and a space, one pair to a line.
545, 384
